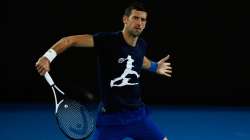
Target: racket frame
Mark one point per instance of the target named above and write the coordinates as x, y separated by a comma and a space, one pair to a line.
54, 88
57, 104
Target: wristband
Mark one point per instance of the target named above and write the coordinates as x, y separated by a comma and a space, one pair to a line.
153, 66
50, 54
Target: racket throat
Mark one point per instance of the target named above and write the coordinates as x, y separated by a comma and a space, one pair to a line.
56, 101
57, 105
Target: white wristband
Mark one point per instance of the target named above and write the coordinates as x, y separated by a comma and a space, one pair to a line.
50, 54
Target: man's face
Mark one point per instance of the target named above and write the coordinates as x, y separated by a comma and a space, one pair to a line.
135, 23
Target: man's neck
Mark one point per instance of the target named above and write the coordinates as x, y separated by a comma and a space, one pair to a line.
130, 39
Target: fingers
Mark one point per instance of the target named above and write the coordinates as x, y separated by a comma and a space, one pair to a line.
165, 69
166, 74
42, 66
165, 58
39, 69
42, 69
166, 64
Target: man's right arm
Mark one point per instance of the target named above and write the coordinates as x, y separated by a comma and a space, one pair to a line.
76, 40
43, 63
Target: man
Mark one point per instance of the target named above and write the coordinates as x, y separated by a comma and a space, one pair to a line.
121, 57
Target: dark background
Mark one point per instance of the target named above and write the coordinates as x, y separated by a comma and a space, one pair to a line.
207, 41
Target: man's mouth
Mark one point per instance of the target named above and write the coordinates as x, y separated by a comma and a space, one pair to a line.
137, 28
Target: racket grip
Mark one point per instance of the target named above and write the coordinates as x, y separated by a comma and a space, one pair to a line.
49, 79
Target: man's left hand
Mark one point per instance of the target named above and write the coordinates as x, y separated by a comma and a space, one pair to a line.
164, 68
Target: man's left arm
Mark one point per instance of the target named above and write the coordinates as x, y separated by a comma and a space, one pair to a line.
161, 67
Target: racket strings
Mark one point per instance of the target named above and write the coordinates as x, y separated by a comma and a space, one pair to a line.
75, 120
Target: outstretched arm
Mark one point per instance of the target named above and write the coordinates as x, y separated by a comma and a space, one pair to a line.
76, 40
43, 63
161, 67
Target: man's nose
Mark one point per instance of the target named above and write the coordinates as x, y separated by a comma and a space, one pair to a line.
140, 22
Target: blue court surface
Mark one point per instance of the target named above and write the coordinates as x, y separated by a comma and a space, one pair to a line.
37, 122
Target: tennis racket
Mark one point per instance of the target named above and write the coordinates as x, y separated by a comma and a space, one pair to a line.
73, 118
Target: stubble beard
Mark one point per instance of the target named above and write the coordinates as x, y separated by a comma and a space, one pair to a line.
134, 33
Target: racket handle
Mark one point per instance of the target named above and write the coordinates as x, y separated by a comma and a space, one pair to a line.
49, 79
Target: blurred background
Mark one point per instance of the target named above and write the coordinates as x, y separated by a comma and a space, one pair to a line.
207, 42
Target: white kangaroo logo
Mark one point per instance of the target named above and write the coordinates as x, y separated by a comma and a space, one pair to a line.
128, 70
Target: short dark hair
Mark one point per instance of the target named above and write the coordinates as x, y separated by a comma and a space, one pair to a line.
134, 6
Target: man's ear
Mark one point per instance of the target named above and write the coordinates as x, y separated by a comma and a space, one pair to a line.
125, 19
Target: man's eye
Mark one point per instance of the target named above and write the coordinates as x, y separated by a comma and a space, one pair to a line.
136, 17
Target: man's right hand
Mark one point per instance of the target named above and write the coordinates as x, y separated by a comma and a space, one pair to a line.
42, 65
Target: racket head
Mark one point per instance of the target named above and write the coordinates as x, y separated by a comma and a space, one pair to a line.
74, 119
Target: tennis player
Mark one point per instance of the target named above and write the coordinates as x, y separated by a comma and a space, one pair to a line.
121, 58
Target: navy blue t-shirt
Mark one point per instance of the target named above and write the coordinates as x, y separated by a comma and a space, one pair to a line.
119, 71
